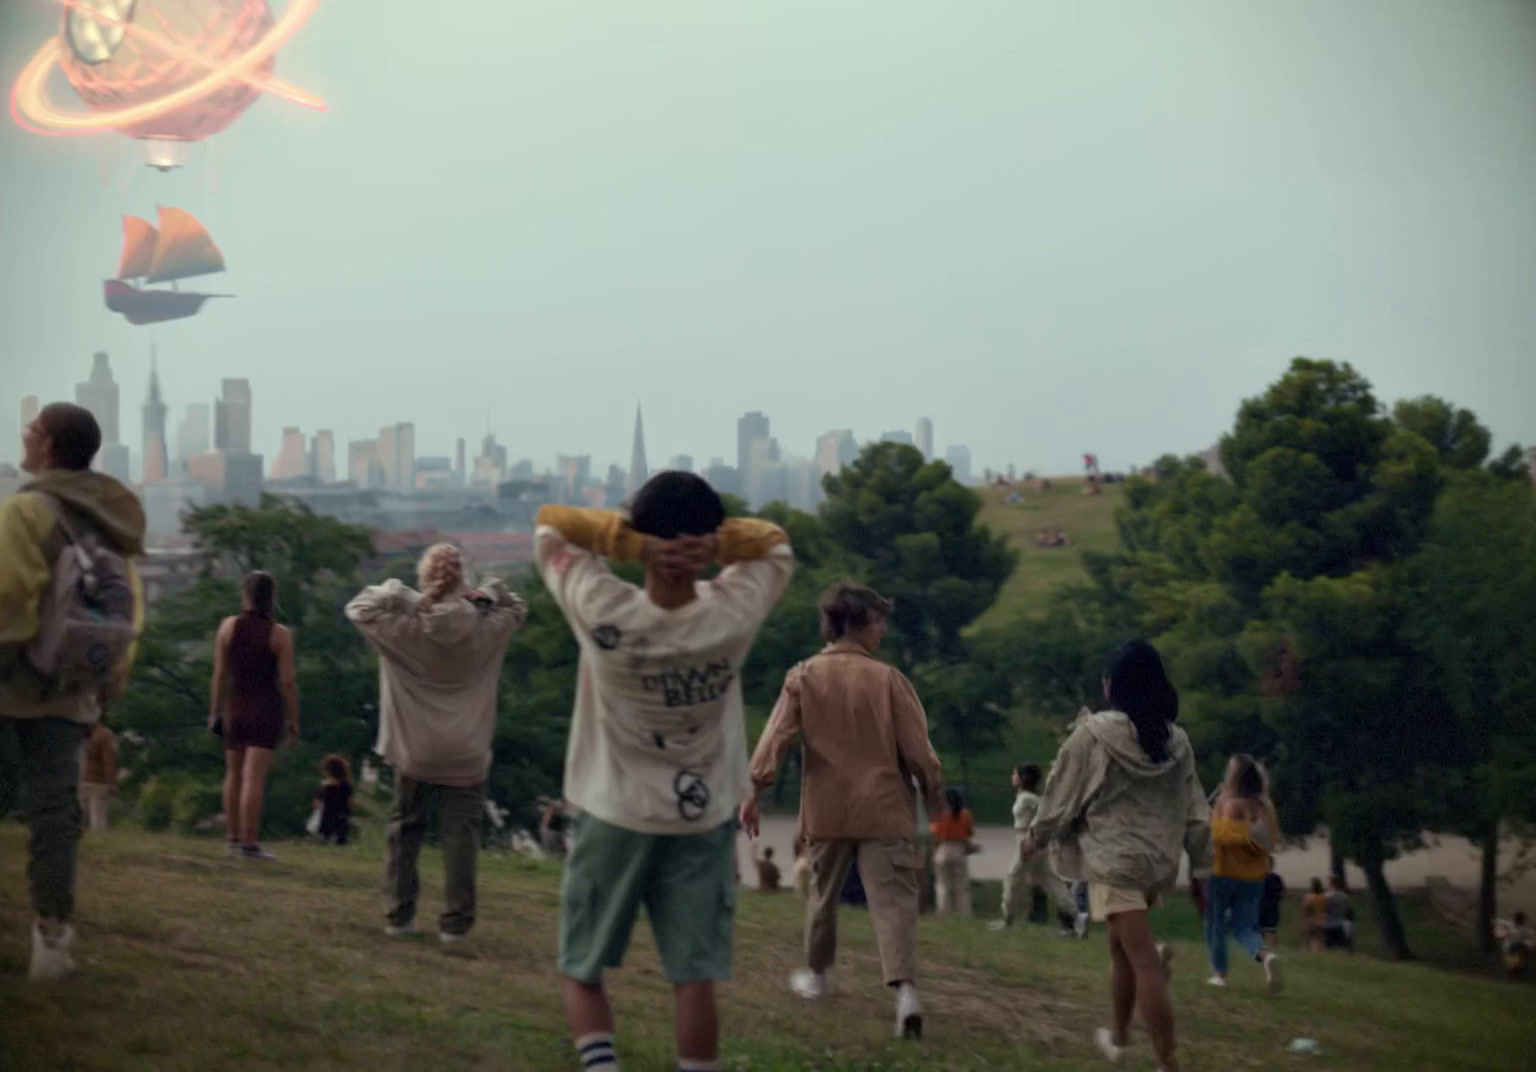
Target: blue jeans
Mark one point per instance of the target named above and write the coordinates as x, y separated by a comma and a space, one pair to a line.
1232, 905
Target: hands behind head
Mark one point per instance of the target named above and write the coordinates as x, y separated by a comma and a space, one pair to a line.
679, 560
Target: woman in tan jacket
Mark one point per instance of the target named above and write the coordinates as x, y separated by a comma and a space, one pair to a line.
1121, 807
98, 776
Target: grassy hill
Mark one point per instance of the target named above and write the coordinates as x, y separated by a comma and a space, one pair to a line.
1088, 519
191, 961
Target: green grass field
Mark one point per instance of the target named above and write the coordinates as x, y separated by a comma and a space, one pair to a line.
1088, 519
190, 961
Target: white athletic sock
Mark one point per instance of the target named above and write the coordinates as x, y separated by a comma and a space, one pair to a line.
596, 1052
685, 1064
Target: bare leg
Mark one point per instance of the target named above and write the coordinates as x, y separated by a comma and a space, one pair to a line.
586, 1008
1122, 990
234, 770
1131, 932
697, 1023
253, 793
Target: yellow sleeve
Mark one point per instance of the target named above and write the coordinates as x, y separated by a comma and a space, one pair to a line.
743, 538
602, 532
125, 667
25, 524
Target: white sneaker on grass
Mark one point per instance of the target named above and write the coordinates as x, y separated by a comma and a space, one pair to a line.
1272, 974
909, 1013
998, 925
50, 955
451, 939
1080, 926
404, 930
1218, 981
1105, 1042
812, 986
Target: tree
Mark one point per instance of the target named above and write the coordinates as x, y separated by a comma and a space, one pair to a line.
965, 701
1475, 585
915, 526
1457, 436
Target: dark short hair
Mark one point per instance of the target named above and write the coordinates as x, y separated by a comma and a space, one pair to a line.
73, 434
768, 853
1029, 776
848, 607
261, 589
673, 504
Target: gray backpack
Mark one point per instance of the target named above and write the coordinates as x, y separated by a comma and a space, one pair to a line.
85, 620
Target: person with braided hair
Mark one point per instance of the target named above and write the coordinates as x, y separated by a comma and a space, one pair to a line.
440, 654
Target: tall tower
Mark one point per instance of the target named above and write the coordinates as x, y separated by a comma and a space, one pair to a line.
749, 429
925, 438
156, 462
638, 472
99, 395
232, 418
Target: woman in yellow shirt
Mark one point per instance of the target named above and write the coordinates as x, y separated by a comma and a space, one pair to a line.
1243, 831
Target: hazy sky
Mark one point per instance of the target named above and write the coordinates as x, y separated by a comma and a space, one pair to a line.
1050, 227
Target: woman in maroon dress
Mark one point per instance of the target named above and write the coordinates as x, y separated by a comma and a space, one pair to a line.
256, 707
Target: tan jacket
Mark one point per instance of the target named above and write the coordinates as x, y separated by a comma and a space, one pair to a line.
1115, 817
438, 672
100, 761
866, 744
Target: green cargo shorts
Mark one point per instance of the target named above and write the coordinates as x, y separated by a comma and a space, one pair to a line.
687, 883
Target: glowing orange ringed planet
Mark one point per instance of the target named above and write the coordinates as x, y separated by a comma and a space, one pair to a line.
31, 108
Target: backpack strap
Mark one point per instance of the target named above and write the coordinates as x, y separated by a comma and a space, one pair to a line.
59, 516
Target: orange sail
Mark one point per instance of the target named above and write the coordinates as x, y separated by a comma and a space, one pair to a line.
185, 249
139, 240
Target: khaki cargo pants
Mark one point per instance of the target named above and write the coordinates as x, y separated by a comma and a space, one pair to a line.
460, 812
889, 870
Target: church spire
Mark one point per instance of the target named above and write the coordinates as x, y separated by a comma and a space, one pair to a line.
638, 472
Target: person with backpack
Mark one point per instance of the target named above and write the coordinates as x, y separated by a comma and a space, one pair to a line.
71, 608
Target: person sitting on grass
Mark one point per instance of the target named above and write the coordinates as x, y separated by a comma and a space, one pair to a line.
768, 878
1516, 945
657, 759
335, 799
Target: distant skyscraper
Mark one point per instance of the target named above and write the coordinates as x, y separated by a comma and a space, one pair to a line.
835, 450
322, 456
959, 459
156, 462
242, 479
681, 463
232, 418
114, 461
925, 438
192, 436
573, 472
639, 472
460, 473
292, 457
725, 479
29, 409
363, 463
99, 395
749, 429
764, 479
397, 457
897, 436
615, 488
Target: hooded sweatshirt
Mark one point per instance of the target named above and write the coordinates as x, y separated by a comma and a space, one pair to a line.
1114, 817
30, 542
438, 671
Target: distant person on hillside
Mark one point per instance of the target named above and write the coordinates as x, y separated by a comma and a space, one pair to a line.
867, 756
954, 839
1243, 830
335, 799
768, 878
1339, 920
1121, 807
1516, 945
440, 655
65, 512
1314, 916
98, 776
1025, 874
657, 761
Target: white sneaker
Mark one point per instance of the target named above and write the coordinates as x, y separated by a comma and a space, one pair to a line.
1219, 981
405, 930
998, 925
1113, 1052
812, 986
909, 1013
451, 939
50, 957
1080, 927
1272, 974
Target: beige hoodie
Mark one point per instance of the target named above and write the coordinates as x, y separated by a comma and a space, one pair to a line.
1116, 818
438, 671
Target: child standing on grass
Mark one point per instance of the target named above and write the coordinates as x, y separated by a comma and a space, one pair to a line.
335, 799
657, 760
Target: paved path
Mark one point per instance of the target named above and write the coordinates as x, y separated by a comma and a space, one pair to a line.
1450, 858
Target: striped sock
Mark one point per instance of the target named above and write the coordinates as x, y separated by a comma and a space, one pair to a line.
688, 1064
596, 1052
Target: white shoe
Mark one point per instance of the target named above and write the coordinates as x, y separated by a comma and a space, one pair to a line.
1113, 1052
1165, 954
1218, 981
451, 939
998, 925
812, 986
1272, 973
405, 930
50, 957
909, 1013
1080, 927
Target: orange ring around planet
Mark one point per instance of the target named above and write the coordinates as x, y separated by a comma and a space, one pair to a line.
32, 110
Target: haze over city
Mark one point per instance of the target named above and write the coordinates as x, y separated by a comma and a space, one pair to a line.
1050, 229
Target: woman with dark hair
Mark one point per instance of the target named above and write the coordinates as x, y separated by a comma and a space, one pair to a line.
335, 799
953, 834
1024, 873
1243, 830
255, 707
1121, 806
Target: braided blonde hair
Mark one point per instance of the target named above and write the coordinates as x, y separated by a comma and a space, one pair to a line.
440, 573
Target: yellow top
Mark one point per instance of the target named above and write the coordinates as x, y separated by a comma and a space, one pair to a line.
610, 534
1238, 855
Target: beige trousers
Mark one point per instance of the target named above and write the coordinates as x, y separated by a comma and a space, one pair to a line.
954, 878
93, 802
889, 870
